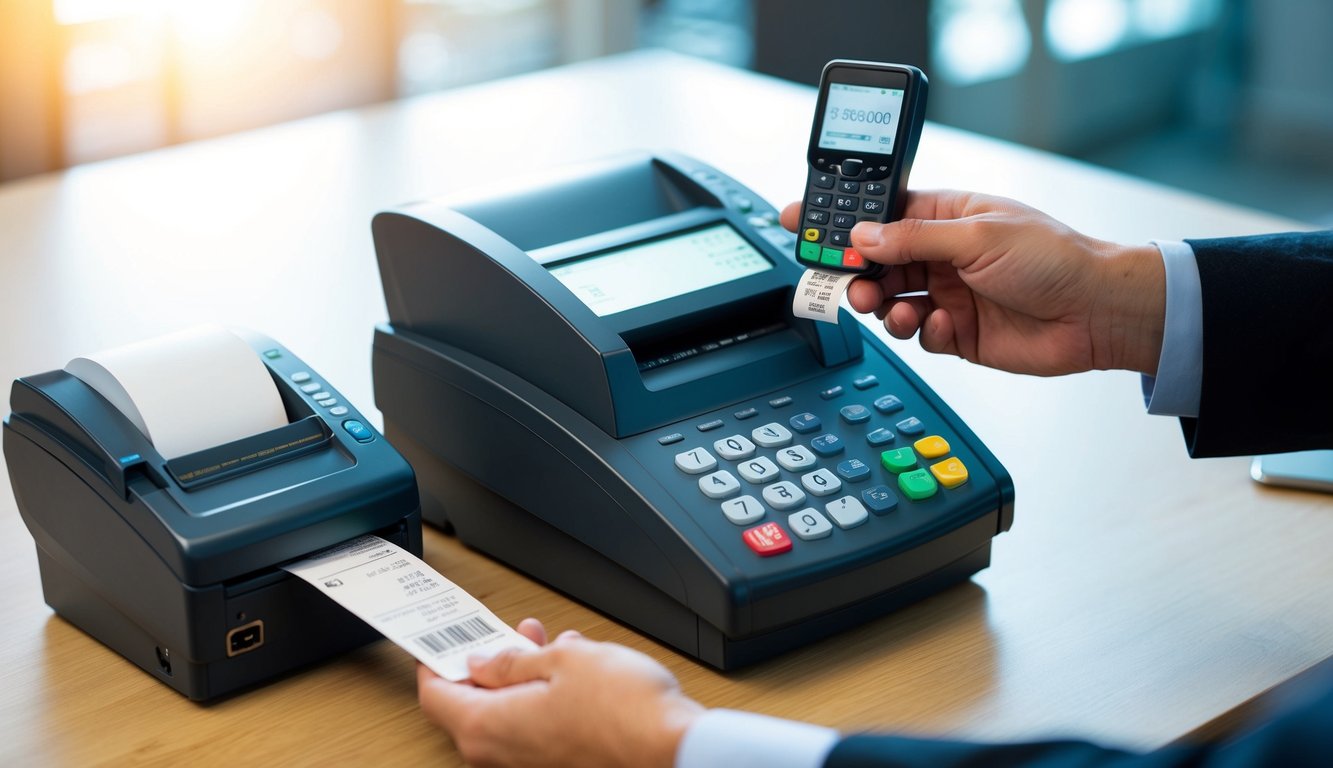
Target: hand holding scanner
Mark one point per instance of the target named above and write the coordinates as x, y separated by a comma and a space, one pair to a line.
867, 123
174, 561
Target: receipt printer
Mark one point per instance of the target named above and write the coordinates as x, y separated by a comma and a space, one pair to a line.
175, 561
599, 380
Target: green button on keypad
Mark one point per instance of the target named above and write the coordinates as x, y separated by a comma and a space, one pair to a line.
898, 460
810, 252
917, 484
831, 256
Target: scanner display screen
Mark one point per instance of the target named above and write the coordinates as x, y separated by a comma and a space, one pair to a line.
861, 118
647, 272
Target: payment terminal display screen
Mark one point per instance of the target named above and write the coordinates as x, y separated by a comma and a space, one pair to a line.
640, 274
861, 118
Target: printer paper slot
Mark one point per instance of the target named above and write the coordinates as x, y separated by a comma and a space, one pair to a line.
248, 454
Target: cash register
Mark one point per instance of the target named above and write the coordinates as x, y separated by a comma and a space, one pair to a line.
599, 381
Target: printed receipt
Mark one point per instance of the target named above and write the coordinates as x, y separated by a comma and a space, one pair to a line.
410, 603
819, 293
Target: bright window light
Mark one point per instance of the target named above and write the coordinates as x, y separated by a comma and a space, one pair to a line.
977, 40
1157, 19
86, 11
1079, 29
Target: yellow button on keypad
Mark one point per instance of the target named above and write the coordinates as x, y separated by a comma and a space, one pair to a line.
812, 234
932, 447
951, 473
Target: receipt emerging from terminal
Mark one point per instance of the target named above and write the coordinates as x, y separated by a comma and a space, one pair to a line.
819, 294
409, 602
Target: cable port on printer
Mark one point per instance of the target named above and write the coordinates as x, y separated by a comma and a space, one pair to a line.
245, 638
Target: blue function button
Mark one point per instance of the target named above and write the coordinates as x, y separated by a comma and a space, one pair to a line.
300, 377
746, 413
359, 431
888, 404
805, 423
674, 437
879, 437
911, 426
853, 470
855, 414
778, 402
880, 499
831, 392
865, 382
827, 444
273, 354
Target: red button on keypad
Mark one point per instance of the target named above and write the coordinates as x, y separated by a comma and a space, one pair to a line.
851, 258
767, 539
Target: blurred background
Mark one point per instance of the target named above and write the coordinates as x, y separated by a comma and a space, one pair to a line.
1229, 98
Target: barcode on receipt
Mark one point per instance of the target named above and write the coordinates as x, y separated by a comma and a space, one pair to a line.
456, 634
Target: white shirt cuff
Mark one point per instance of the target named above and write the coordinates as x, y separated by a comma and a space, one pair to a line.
727, 738
1175, 391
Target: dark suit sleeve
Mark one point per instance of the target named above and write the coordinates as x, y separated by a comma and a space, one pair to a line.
1302, 738
1267, 382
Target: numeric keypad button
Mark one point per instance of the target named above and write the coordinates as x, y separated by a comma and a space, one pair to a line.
743, 510
784, 495
847, 512
734, 448
695, 461
771, 435
796, 458
808, 524
719, 484
758, 470
821, 482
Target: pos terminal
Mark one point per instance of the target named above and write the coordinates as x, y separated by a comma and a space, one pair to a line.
599, 381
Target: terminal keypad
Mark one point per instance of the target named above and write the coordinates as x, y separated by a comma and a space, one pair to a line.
791, 479
833, 205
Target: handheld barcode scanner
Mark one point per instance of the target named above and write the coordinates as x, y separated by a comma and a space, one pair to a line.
868, 120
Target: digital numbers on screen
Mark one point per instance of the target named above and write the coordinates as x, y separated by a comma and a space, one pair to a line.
861, 118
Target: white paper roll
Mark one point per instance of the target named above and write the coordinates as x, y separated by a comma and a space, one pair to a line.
187, 391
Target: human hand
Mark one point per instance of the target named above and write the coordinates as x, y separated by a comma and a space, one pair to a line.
1009, 287
573, 702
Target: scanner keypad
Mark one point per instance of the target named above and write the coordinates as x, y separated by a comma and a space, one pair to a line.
826, 239
822, 485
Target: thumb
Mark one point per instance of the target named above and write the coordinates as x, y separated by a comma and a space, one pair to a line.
512, 666
443, 702
952, 241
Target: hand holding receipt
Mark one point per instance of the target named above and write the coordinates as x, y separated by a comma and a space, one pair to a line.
410, 603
